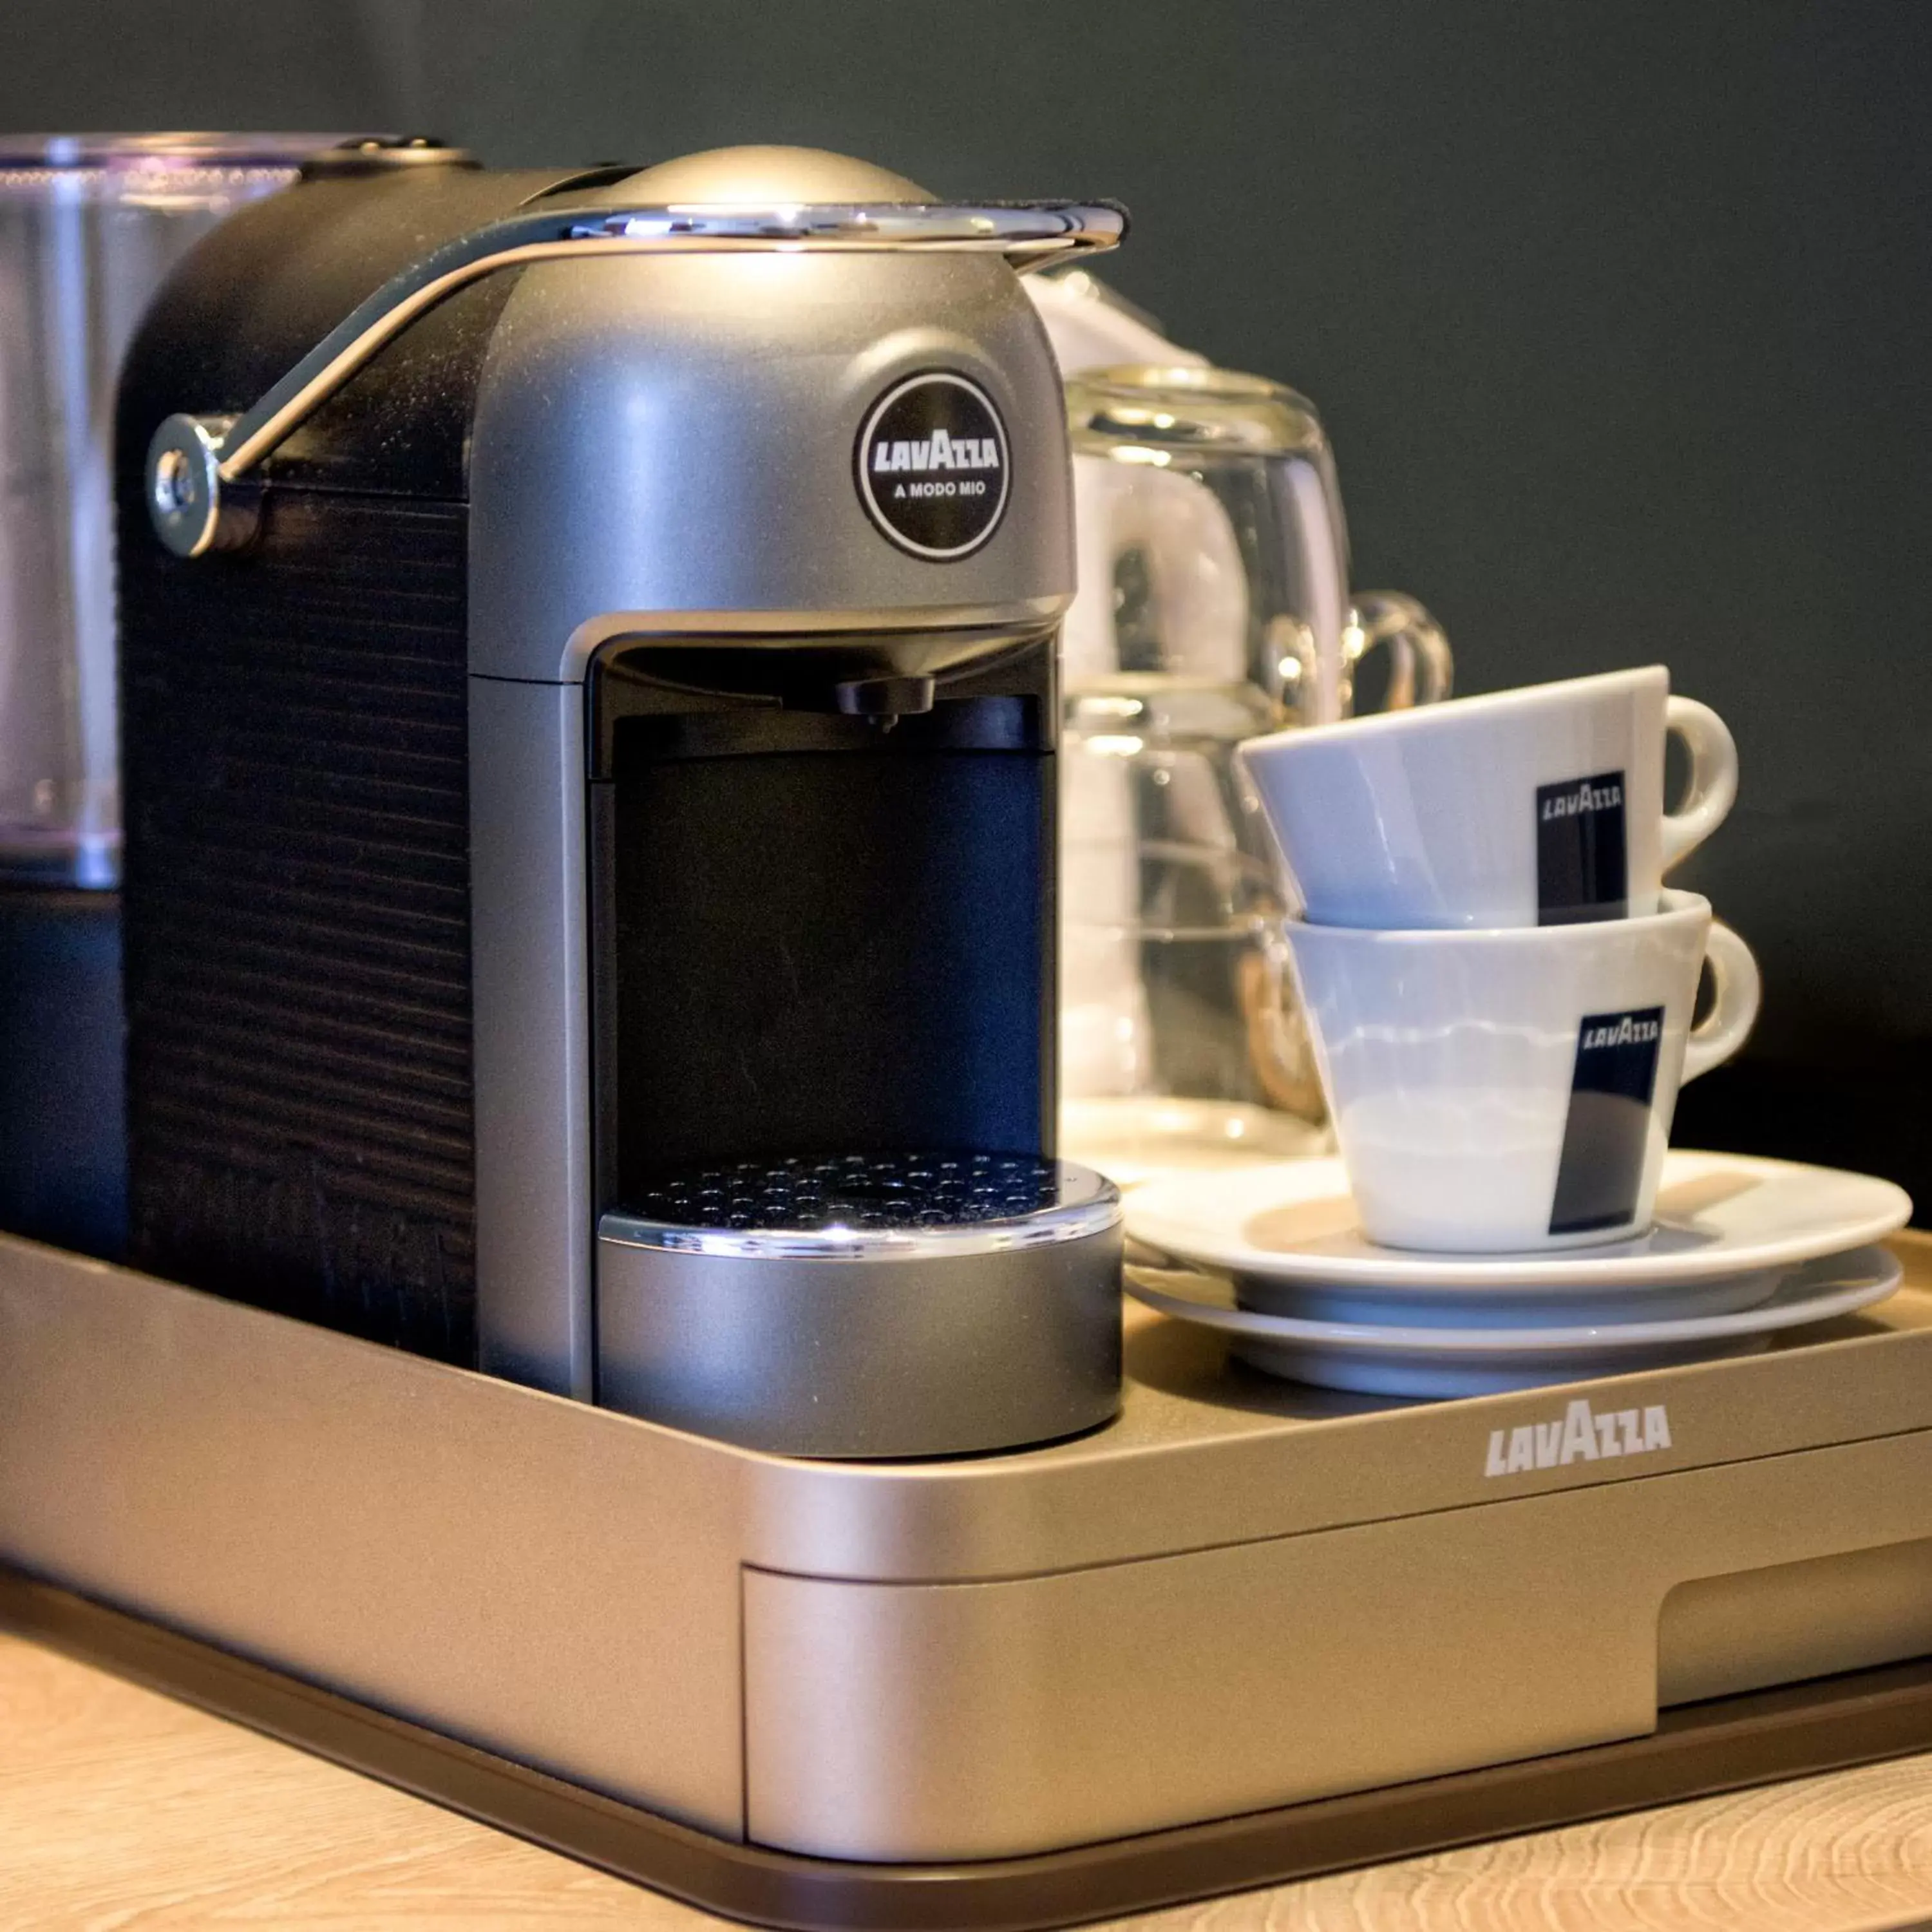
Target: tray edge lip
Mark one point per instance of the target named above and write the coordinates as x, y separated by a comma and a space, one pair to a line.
1804, 1729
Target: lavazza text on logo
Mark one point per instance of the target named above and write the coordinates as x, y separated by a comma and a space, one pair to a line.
1580, 1435
939, 451
1626, 1032
1585, 797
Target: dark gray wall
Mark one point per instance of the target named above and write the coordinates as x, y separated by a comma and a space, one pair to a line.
1617, 313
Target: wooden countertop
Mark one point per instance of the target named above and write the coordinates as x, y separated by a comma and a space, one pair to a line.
121, 1809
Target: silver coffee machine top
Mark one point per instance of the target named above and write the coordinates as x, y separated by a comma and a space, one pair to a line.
591, 733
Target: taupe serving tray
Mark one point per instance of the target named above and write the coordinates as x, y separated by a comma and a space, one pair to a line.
1248, 1631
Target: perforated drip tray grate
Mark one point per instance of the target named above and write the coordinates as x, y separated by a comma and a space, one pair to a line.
865, 1305
865, 1191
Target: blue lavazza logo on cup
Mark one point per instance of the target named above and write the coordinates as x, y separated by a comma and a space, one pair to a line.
931, 465
1607, 1132
1582, 871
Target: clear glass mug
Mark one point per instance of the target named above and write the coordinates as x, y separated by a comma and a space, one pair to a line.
1214, 607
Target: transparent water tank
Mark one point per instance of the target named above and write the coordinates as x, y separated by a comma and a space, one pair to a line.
89, 226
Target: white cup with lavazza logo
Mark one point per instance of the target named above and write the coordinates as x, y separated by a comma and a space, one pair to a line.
1501, 1091
1539, 806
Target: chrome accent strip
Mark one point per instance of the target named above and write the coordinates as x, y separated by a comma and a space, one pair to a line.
1035, 236
1027, 235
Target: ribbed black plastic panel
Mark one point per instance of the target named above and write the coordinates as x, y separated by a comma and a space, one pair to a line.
294, 721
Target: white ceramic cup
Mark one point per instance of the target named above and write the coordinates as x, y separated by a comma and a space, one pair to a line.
1500, 1090
1542, 806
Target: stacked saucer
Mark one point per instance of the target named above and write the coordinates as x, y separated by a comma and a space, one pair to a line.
1501, 996
1739, 1250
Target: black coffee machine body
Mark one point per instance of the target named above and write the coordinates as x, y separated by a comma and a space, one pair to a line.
588, 734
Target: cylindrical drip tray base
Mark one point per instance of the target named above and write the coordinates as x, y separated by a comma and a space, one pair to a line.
865, 1306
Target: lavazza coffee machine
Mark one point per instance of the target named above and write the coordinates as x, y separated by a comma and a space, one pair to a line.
606, 1342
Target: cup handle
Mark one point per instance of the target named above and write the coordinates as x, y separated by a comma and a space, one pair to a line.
1421, 666
1723, 1029
1714, 777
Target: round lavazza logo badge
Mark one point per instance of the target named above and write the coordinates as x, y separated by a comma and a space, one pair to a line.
931, 464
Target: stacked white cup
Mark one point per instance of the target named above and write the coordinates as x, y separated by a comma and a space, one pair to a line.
1501, 990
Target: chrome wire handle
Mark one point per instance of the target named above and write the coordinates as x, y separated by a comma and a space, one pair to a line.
191, 457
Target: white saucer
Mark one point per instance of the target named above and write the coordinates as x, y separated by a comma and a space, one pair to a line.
1718, 1216
1379, 1359
1567, 1307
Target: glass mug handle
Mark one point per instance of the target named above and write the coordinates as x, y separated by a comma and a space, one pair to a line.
1280, 1054
1421, 666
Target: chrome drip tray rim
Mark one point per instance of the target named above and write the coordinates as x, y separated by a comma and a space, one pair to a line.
860, 1207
